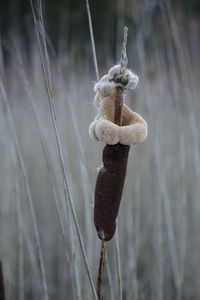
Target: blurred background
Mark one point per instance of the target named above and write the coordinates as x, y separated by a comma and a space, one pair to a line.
159, 218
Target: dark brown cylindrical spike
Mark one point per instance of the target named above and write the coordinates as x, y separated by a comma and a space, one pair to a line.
110, 180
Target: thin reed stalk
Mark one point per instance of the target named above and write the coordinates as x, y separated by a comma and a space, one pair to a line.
46, 72
27, 189
167, 213
25, 236
92, 40
101, 267
20, 243
49, 164
119, 280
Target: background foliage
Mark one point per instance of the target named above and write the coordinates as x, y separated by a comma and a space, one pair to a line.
159, 219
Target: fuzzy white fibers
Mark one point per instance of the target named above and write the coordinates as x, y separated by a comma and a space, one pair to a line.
134, 127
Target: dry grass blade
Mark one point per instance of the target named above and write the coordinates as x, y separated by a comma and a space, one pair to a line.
168, 216
46, 71
119, 281
92, 40
49, 163
20, 243
27, 189
24, 238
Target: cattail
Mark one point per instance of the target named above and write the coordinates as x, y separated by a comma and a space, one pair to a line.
110, 180
119, 127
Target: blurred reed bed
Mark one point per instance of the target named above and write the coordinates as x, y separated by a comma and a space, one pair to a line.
158, 223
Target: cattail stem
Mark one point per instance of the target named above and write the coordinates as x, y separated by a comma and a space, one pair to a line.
118, 121
101, 267
2, 291
124, 59
105, 183
118, 105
